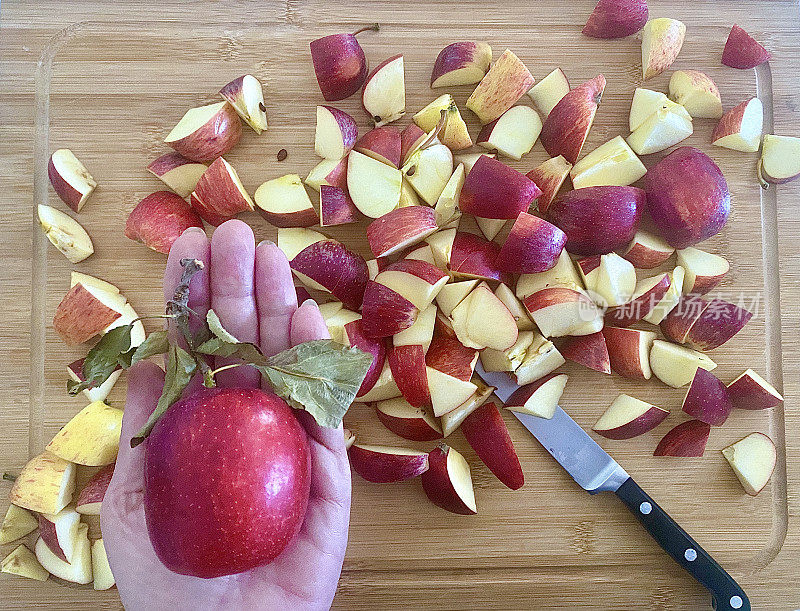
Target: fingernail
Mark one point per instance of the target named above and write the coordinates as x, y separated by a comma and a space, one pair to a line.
266, 243
194, 230
309, 303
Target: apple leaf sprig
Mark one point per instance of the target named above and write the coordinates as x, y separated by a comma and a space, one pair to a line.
321, 377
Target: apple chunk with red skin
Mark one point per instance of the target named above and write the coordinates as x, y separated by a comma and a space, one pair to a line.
483, 321
59, 532
335, 134
335, 207
65, 233
407, 421
374, 186
687, 439
246, 96
383, 144
284, 202
86, 311
339, 64
461, 63
471, 256
752, 460
609, 279
566, 127
647, 251
696, 92
177, 172
447, 392
648, 294
77, 571
487, 434
539, 398
598, 219
662, 40
615, 19
415, 280
676, 365
354, 335
549, 91
385, 465
328, 172
399, 229
70, 179
206, 132
410, 374
780, 160
629, 351
385, 311
588, 350
707, 399
740, 128
92, 494
331, 267
743, 51
549, 176
719, 321
750, 391
532, 246
628, 417
702, 270
450, 356
563, 310
448, 481
246, 509
159, 219
453, 419
505, 83
687, 197
219, 194
496, 191
384, 94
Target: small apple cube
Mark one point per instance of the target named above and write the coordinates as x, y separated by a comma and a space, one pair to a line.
335, 134
496, 191
448, 482
541, 359
407, 421
383, 144
284, 202
453, 419
335, 207
646, 102
740, 128
707, 399
461, 63
483, 321
454, 293
384, 93
177, 172
539, 398
70, 179
750, 391
160, 219
563, 272
65, 233
676, 365
780, 159
753, 461
532, 246
23, 562
563, 310
647, 251
505, 83
101, 571
509, 359
513, 133
428, 170
473, 257
383, 464
628, 417
206, 132
45, 484
93, 492
373, 186
661, 130
549, 176
629, 351
588, 350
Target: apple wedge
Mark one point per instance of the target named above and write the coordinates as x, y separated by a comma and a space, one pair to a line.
177, 172
45, 484
563, 310
541, 359
513, 133
17, 523
505, 83
219, 194
676, 365
703, 270
327, 265
96, 393
335, 134
441, 244
612, 163
421, 332
740, 128
59, 531
509, 359
385, 388
409, 372
70, 179
428, 170
563, 272
532, 246
615, 19
77, 571
331, 172
448, 355
86, 311
628, 417
566, 127
487, 434
696, 92
780, 159
454, 293
335, 207
385, 311
647, 102
670, 300
679, 321
65, 233
719, 321
448, 481
94, 491
609, 279
246, 96
417, 281
383, 144
284, 202
461, 63
419, 252
408, 197
21, 561
206, 132
548, 92
407, 421
446, 207
384, 94
354, 336
91, 437
483, 321
647, 251
514, 305
454, 133
339, 64
490, 228
587, 350
661, 130
473, 257
629, 351
383, 464
496, 191
648, 293
752, 460
453, 419
687, 439
159, 219
662, 40
707, 399
470, 159
411, 138
598, 220
447, 392
399, 229
374, 186
101, 571
743, 51
539, 398
750, 391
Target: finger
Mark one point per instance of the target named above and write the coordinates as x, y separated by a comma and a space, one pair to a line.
145, 381
330, 476
276, 298
192, 244
233, 293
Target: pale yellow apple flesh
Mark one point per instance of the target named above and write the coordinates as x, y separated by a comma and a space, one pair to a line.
676, 365
447, 392
548, 92
447, 203
23, 562
752, 460
101, 570
374, 187
17, 523
612, 163
514, 133
77, 571
91, 437
65, 233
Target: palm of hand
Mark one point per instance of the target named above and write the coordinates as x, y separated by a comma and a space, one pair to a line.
251, 290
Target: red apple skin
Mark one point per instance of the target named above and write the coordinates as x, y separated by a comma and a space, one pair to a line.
707, 399
523, 393
454, 57
68, 194
47, 531
339, 64
731, 121
93, 493
532, 246
399, 225
416, 267
412, 429
213, 139
408, 370
597, 220
300, 218
687, 197
642, 257
387, 468
218, 190
624, 353
638, 426
487, 434
410, 137
376, 347
475, 256
159, 219
679, 321
236, 461
382, 143
587, 350
206, 212
335, 207
747, 393
79, 316
688, 439
566, 127
718, 323
385, 311
450, 356
342, 272
743, 51
302, 294
494, 190
641, 306
549, 176
615, 19
442, 327
437, 486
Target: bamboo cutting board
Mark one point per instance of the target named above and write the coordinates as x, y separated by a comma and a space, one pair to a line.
109, 81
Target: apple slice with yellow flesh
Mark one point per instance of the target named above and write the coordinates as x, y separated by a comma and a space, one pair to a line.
453, 419
780, 159
59, 531
670, 300
384, 94
91, 437
539, 398
687, 439
549, 91
373, 186
65, 233
750, 391
514, 305
206, 132
101, 571
177, 172
645, 102
612, 163
384, 464
647, 251
447, 392
461, 63
563, 272
246, 96
696, 92
509, 359
490, 228
399, 229
563, 310
628, 417
473, 315
45, 484
407, 421
441, 243
702, 270
549, 176
454, 293
513, 133
454, 134
740, 128
86, 311
676, 365
629, 351
331, 172
77, 571
448, 481
70, 179
428, 170
662, 39
661, 130
447, 204
752, 460
23, 562
505, 83
541, 358
284, 202
421, 332
17, 523
335, 134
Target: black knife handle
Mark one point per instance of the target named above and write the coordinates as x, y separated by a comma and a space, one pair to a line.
725, 592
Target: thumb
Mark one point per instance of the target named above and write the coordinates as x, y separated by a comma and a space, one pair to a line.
145, 381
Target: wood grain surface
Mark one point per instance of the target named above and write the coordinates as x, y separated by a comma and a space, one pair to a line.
109, 79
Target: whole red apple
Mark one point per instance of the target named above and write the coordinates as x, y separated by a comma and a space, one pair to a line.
227, 479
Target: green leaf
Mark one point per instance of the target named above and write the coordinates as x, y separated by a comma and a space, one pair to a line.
156, 343
321, 377
181, 366
250, 353
104, 357
215, 326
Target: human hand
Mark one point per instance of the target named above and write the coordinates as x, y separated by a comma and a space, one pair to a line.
250, 288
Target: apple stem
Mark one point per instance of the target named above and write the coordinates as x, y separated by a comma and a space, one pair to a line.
10, 478
435, 133
375, 27
208, 375
764, 184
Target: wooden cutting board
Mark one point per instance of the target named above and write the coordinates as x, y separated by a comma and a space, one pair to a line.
110, 79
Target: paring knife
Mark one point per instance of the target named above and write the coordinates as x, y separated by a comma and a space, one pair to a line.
595, 471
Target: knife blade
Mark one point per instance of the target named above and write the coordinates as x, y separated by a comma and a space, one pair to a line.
595, 471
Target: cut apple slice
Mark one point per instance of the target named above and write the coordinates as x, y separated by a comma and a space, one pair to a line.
447, 392
335, 134
452, 294
450, 356
421, 332
549, 176
101, 570
448, 482
743, 51
417, 281
588, 350
470, 159
696, 92
408, 370
548, 92
609, 279
454, 134
707, 399
719, 321
284, 202
532, 246
615, 19
59, 532
220, 191
629, 351
539, 398
647, 251
327, 265
94, 491
563, 272
382, 144
505, 83
563, 310
513, 134
399, 229
646, 102
84, 312
90, 438
23, 562
354, 336
77, 571
385, 311
473, 257
441, 244
339, 64
494, 190
461, 63
510, 359
541, 358
487, 434
177, 172
490, 228
331, 172
485, 320
514, 305
676, 365
373, 186
702, 270
752, 460
411, 138
661, 130
407, 421
384, 94
65, 233
70, 179
447, 203
45, 484
662, 40
687, 439
160, 219
428, 170
453, 419
740, 128
383, 464
750, 391
207, 132
246, 96
612, 163
780, 159
628, 417
335, 207
648, 293
385, 387
17, 523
